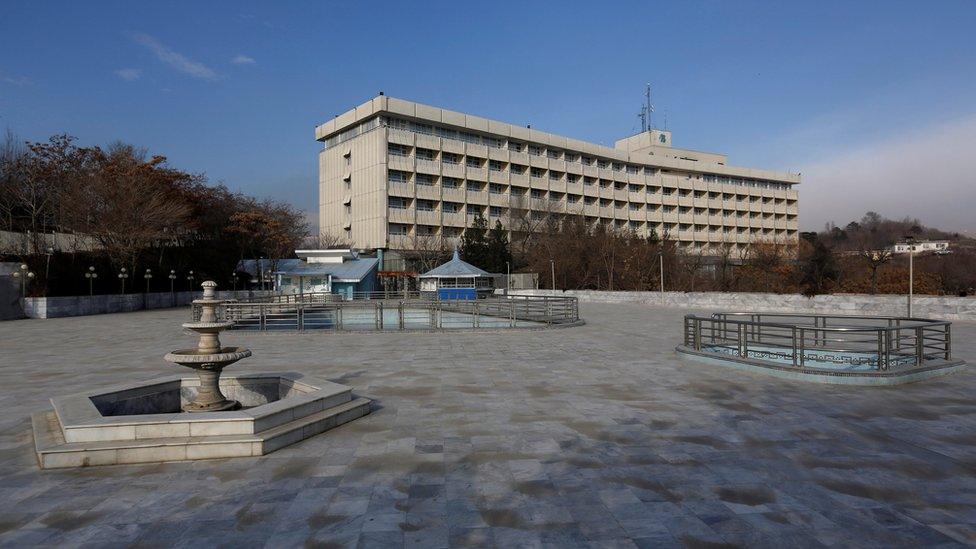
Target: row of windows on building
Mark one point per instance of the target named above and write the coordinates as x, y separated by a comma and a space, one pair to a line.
431, 155
427, 205
514, 146
681, 230
403, 177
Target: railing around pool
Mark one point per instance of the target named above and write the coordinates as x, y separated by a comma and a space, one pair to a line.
305, 313
805, 340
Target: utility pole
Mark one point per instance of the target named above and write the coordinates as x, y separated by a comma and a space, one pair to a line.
910, 240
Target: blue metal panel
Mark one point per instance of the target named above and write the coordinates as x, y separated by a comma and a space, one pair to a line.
457, 293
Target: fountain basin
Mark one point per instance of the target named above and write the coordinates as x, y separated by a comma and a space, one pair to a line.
143, 422
194, 358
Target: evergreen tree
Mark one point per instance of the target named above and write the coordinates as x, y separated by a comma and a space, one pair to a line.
474, 245
498, 251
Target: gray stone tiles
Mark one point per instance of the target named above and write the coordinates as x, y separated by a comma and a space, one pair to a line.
594, 436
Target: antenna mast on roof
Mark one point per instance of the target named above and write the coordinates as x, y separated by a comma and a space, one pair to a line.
649, 108
643, 117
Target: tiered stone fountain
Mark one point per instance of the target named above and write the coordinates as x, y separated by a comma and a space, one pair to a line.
147, 422
209, 358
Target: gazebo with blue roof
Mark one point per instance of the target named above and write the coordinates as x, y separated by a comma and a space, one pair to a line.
457, 279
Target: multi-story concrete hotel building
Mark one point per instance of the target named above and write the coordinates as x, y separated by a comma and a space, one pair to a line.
396, 175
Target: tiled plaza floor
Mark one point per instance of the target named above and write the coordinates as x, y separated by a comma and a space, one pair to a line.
589, 436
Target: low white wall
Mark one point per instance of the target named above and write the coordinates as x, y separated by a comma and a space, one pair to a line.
937, 307
81, 305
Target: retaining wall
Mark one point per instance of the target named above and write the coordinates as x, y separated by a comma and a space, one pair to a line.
937, 307
77, 305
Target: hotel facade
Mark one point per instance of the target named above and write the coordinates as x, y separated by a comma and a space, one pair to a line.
398, 176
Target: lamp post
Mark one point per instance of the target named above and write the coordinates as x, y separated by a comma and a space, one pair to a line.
49, 251
552, 270
91, 275
189, 281
910, 240
233, 279
172, 280
660, 256
24, 274
123, 274
261, 271
508, 277
148, 276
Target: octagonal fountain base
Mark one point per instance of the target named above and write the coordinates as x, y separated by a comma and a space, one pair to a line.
144, 422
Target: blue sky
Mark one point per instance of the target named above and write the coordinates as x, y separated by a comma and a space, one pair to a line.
235, 89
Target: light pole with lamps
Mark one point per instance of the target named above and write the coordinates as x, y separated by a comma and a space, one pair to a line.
660, 256
508, 277
172, 281
233, 279
189, 281
49, 251
123, 274
552, 269
24, 275
91, 275
148, 276
910, 240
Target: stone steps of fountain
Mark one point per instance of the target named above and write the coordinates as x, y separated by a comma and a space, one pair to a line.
53, 452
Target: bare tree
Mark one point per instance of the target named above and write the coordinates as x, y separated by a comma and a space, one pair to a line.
428, 250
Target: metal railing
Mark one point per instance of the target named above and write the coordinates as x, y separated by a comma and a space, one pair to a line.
874, 342
398, 314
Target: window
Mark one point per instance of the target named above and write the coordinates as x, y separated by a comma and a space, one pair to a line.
535, 150
397, 176
587, 160
571, 157
555, 175
426, 154
496, 166
552, 153
475, 162
602, 163
450, 182
398, 229
515, 146
425, 179
426, 230
426, 205
397, 202
589, 181
573, 178
398, 150
451, 207
632, 169
538, 172
634, 188
496, 211
476, 186
538, 193
450, 158
518, 168
495, 188
634, 207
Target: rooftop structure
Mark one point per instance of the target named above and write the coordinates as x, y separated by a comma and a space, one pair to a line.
398, 175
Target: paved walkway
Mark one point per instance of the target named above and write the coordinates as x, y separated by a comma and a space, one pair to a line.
589, 436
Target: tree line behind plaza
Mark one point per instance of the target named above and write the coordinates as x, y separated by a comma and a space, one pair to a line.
852, 259
118, 207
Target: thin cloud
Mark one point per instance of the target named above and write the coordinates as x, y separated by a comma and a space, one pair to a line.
16, 80
241, 59
175, 60
129, 74
923, 173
